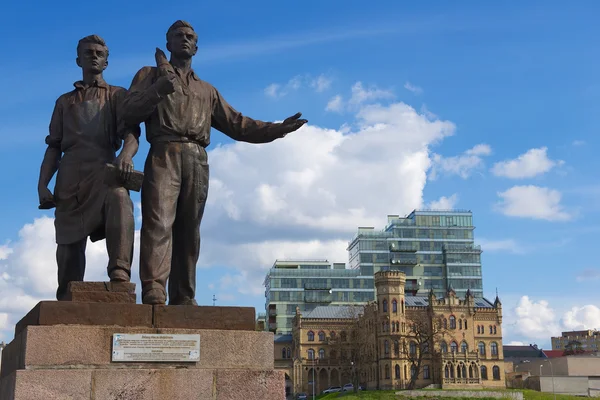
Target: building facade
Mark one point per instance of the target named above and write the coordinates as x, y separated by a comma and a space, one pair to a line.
578, 341
434, 248
307, 284
378, 347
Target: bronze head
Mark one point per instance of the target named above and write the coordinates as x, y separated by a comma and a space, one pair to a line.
182, 40
92, 54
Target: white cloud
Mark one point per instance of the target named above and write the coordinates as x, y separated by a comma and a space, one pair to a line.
515, 343
321, 83
413, 88
535, 320
4, 322
579, 318
444, 203
532, 163
532, 202
336, 104
362, 95
578, 142
462, 165
278, 90
5, 251
590, 274
500, 246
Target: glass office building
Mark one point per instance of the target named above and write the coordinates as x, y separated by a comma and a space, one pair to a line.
307, 284
434, 248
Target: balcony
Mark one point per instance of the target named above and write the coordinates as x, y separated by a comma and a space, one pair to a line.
404, 261
462, 248
316, 286
272, 313
402, 248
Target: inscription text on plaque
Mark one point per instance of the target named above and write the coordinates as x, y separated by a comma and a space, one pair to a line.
155, 348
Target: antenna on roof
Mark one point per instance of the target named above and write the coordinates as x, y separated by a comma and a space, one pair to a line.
214, 299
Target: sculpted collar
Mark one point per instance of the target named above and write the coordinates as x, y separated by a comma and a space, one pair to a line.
98, 83
191, 73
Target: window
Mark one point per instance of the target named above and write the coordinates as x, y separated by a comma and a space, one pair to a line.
445, 323
494, 348
311, 336
478, 330
484, 373
289, 353
396, 348
322, 354
413, 371
397, 371
387, 371
321, 336
426, 372
496, 372
332, 335
491, 330
394, 306
385, 305
386, 347
463, 347
283, 353
481, 348
444, 347
466, 324
494, 329
453, 347
311, 354
393, 327
453, 322
460, 324
412, 349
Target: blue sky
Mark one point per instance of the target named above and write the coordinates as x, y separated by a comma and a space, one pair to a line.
435, 100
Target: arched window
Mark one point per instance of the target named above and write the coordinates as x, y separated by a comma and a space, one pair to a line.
463, 347
453, 347
393, 327
289, 353
397, 326
412, 348
426, 374
478, 330
386, 347
460, 324
443, 347
311, 354
413, 371
311, 336
494, 348
385, 305
484, 372
396, 348
283, 353
445, 323
321, 336
466, 324
322, 354
387, 371
494, 329
332, 335
452, 322
394, 306
496, 372
397, 371
491, 330
481, 348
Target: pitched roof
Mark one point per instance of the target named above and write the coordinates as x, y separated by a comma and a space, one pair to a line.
554, 353
421, 301
335, 312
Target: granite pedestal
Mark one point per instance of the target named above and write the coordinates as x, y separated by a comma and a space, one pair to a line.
62, 350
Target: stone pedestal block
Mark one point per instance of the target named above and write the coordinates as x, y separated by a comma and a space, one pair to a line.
102, 292
143, 384
204, 317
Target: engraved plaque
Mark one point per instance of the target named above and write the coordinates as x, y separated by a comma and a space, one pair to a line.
148, 347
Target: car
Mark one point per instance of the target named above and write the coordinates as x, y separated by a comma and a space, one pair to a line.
332, 389
301, 396
348, 387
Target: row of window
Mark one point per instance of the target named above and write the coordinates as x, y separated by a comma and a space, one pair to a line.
481, 329
460, 371
332, 335
394, 306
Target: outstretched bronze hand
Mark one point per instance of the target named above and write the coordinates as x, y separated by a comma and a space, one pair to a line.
291, 124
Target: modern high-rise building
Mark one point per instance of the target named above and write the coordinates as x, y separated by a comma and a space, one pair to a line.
307, 284
434, 248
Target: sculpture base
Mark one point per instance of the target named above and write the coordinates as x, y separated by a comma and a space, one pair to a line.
63, 350
142, 384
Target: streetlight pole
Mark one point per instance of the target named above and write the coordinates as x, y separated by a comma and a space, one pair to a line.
552, 372
313, 380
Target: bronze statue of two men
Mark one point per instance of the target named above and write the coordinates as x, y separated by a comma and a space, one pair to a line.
91, 123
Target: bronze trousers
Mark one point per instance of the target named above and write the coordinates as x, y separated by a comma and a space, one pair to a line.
174, 194
119, 228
